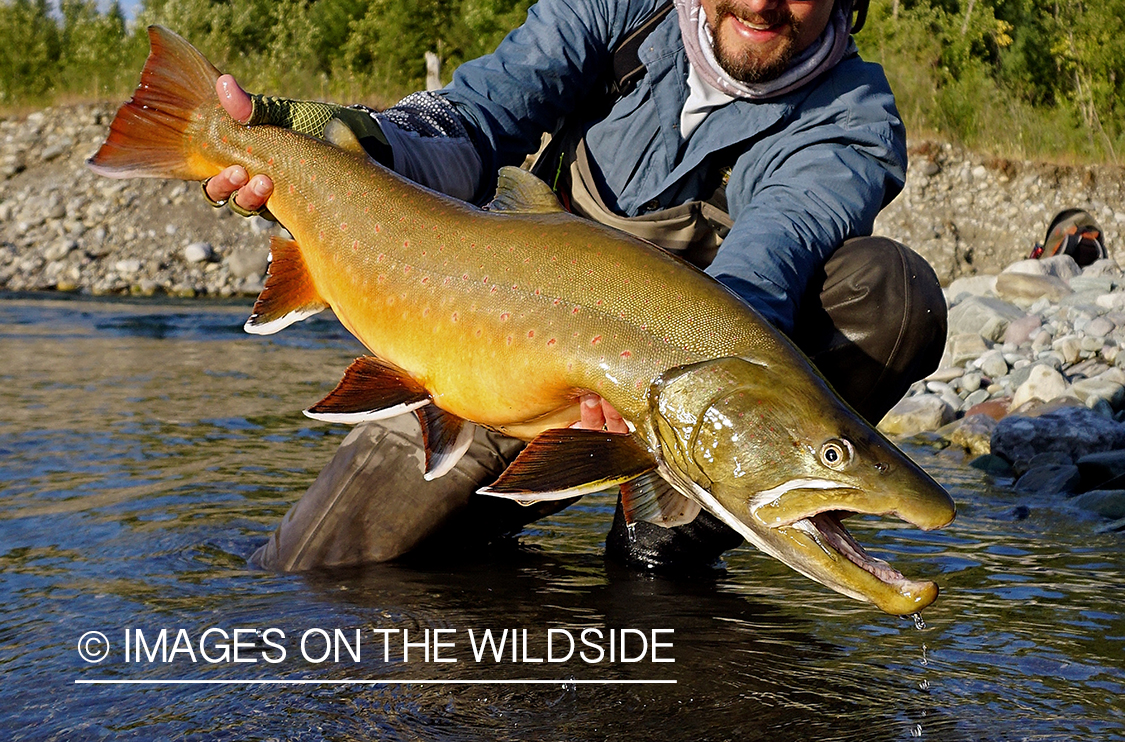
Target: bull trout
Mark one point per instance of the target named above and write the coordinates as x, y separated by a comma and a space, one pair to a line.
505, 317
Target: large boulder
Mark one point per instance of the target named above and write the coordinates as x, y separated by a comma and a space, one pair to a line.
1072, 431
919, 414
986, 316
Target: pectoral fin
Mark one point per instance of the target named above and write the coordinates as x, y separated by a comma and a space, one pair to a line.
651, 498
370, 390
289, 295
565, 462
446, 438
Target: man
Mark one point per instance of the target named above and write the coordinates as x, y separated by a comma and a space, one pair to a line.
756, 144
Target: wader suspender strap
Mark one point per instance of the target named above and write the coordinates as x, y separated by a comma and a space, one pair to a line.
627, 66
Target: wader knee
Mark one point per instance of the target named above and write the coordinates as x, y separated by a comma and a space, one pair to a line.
873, 322
371, 504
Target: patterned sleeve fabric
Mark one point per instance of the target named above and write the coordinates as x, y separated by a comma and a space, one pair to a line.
432, 146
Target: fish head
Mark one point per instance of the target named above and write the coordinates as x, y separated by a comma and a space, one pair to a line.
773, 452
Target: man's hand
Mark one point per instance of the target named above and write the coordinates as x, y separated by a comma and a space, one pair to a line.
254, 195
597, 414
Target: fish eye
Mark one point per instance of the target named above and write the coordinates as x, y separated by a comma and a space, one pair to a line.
836, 454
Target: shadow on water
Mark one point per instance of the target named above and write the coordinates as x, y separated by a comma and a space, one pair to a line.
148, 448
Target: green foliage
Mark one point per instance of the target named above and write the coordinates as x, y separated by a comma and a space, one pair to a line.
1018, 77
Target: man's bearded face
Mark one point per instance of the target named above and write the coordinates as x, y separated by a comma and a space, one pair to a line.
754, 41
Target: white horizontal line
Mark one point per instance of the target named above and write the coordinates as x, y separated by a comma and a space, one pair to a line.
250, 681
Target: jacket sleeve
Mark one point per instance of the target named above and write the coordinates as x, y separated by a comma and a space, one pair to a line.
507, 100
797, 196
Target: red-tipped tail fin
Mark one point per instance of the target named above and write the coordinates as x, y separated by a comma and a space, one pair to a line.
150, 137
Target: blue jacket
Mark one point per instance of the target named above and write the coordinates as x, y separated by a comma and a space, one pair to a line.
813, 167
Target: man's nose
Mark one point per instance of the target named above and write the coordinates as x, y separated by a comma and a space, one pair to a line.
758, 6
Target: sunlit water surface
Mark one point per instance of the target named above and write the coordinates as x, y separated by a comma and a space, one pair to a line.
147, 449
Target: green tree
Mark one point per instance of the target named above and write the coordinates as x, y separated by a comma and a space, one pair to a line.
29, 55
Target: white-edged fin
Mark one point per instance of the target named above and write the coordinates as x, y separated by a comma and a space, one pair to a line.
354, 418
653, 499
255, 326
564, 462
370, 390
446, 438
289, 294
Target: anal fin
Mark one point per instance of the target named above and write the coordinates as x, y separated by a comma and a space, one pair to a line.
567, 462
651, 498
370, 390
446, 438
289, 295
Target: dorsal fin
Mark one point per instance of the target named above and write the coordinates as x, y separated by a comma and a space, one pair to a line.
370, 390
289, 295
341, 135
520, 192
566, 462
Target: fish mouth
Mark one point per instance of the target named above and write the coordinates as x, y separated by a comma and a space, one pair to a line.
804, 518
833, 557
827, 530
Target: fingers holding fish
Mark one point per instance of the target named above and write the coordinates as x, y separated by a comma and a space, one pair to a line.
234, 99
231, 181
250, 196
598, 414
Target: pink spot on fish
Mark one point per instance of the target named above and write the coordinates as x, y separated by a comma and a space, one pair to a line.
626, 354
597, 339
505, 316
551, 342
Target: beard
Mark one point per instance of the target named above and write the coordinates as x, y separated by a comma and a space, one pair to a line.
755, 64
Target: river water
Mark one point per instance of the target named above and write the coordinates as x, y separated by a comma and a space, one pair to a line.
148, 448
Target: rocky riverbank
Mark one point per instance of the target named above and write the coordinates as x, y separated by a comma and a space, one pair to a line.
1041, 338
64, 228
1033, 381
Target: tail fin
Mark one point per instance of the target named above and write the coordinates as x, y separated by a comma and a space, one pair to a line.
148, 137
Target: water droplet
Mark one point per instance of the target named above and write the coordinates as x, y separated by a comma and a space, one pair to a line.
924, 684
919, 623
631, 529
916, 731
924, 660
